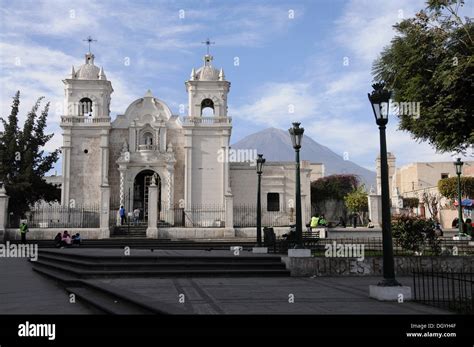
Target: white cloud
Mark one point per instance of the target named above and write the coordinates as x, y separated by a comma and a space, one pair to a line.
278, 104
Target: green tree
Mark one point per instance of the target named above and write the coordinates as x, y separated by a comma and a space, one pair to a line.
23, 161
357, 201
430, 61
333, 187
448, 187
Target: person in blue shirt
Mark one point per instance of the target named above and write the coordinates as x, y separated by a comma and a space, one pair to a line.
122, 215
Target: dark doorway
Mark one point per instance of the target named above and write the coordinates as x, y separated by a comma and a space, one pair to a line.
140, 192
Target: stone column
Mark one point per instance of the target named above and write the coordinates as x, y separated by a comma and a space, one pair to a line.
104, 211
229, 216
375, 209
152, 230
168, 205
3, 213
66, 167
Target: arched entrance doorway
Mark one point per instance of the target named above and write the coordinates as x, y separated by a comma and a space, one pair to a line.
140, 192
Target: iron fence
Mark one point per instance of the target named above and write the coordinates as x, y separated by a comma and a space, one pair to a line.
452, 291
245, 216
374, 246
197, 216
58, 216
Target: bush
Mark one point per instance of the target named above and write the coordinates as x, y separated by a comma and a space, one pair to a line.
415, 234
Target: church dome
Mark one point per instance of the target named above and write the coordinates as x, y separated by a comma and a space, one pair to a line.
207, 72
89, 71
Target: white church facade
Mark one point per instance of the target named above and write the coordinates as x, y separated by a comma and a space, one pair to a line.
158, 162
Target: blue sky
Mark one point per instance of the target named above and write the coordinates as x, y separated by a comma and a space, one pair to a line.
314, 55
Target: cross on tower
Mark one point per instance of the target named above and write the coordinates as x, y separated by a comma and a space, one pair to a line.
89, 39
208, 43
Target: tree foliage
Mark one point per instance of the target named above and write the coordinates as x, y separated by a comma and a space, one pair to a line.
357, 200
448, 187
333, 187
415, 234
23, 161
431, 61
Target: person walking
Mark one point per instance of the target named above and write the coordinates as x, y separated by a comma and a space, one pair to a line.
136, 216
23, 231
354, 220
122, 215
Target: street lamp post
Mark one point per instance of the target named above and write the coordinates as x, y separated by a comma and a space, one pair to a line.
458, 164
296, 134
380, 99
260, 162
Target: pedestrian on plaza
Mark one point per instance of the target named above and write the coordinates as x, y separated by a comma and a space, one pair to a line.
66, 239
314, 222
122, 215
370, 225
467, 227
438, 230
136, 216
322, 221
23, 231
57, 240
341, 222
76, 239
354, 220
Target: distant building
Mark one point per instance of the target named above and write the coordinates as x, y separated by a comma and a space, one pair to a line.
419, 180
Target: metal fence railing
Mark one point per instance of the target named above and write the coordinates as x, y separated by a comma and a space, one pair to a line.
58, 216
373, 246
452, 291
196, 216
245, 216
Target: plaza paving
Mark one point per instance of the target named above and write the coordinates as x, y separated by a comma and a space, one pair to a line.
24, 291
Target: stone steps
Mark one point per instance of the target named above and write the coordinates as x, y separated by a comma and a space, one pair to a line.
84, 266
106, 298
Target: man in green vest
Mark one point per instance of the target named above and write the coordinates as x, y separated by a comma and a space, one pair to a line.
314, 222
23, 231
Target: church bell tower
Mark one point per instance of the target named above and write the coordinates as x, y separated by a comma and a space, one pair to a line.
86, 125
207, 130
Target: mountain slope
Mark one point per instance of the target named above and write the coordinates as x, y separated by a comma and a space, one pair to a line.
275, 144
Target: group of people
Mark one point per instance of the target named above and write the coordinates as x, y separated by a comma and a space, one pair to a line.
467, 227
66, 240
123, 216
317, 221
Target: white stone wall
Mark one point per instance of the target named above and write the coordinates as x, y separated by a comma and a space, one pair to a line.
277, 177
207, 172
85, 168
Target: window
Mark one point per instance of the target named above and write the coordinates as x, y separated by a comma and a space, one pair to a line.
273, 202
207, 108
85, 107
444, 175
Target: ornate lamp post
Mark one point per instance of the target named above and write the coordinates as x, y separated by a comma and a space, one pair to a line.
380, 99
296, 134
458, 164
260, 162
